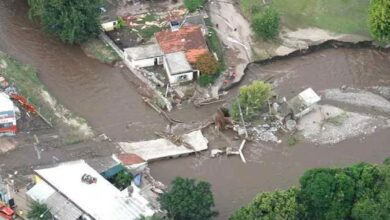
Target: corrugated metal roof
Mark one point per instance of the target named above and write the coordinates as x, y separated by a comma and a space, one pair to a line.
59, 206
101, 200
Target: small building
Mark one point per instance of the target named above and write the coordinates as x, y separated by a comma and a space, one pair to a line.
96, 199
144, 56
109, 25
178, 69
163, 148
7, 115
303, 103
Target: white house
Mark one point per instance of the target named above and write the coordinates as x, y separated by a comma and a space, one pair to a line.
144, 56
178, 69
98, 199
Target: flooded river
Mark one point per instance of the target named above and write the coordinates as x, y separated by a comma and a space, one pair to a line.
109, 101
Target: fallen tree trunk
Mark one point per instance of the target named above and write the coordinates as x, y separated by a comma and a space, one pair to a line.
160, 111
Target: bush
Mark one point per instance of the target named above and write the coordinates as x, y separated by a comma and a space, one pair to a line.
379, 19
265, 24
207, 64
192, 5
188, 199
122, 179
252, 98
39, 211
206, 80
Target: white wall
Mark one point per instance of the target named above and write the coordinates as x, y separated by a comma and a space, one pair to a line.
143, 63
179, 78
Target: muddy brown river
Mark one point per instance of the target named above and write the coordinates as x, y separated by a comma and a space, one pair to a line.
109, 101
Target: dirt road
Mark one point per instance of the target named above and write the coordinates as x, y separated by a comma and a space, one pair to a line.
234, 31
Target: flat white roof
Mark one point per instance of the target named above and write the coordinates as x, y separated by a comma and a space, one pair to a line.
162, 148
6, 103
309, 96
177, 63
101, 200
144, 52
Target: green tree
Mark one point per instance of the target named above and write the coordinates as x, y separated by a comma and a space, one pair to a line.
251, 99
123, 179
277, 205
193, 5
73, 21
188, 199
207, 64
265, 23
379, 19
39, 211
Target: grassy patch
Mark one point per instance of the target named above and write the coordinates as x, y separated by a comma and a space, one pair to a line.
342, 16
148, 32
97, 49
215, 45
337, 120
26, 80
206, 80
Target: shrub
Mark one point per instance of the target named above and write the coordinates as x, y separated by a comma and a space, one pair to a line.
122, 179
252, 98
207, 64
379, 19
192, 5
188, 199
206, 80
39, 211
265, 24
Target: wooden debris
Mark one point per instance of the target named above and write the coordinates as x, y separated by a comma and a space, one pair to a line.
160, 111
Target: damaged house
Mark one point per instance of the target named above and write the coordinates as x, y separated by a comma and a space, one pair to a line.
177, 49
7, 115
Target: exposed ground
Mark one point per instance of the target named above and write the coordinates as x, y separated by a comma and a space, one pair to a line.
95, 48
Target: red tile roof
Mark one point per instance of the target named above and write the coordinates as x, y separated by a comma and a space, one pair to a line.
130, 159
188, 39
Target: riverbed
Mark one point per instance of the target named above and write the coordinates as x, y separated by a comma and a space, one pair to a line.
108, 99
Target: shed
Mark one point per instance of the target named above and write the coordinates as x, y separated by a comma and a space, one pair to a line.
178, 69
303, 103
144, 56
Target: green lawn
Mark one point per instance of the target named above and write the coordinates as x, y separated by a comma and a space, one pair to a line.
342, 16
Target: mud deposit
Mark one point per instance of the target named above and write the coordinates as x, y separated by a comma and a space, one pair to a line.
109, 101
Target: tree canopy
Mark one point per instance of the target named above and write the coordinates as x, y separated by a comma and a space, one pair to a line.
252, 98
207, 64
39, 211
278, 205
188, 199
73, 21
379, 19
193, 5
360, 192
265, 23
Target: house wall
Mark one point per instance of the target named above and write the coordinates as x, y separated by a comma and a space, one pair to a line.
145, 62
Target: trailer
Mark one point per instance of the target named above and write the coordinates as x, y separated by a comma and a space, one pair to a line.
7, 115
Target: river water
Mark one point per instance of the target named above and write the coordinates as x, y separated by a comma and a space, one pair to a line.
109, 101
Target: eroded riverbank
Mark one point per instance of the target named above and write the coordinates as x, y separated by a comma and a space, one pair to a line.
110, 103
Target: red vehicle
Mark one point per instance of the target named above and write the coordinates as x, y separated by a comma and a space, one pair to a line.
6, 213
